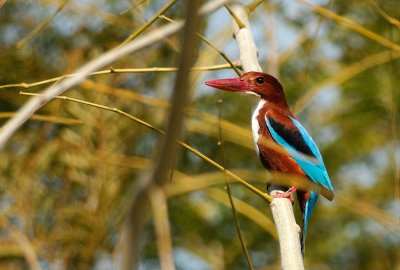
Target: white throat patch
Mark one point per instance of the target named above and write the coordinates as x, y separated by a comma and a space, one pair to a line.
255, 127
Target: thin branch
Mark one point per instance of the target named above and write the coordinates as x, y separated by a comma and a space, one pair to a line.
40, 26
119, 70
238, 20
253, 5
137, 4
160, 131
386, 16
209, 43
150, 22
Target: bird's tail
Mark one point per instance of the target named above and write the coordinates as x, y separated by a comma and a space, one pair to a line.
307, 211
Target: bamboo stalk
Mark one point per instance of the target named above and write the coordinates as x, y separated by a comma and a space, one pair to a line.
282, 210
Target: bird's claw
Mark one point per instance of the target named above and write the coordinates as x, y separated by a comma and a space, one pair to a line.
283, 195
287, 194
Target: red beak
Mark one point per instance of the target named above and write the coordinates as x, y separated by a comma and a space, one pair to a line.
233, 85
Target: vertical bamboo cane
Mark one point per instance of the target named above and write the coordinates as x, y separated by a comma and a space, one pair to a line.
282, 210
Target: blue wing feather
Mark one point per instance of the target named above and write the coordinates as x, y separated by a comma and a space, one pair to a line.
313, 168
316, 171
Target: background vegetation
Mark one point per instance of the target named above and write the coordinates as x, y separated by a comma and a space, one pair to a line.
66, 176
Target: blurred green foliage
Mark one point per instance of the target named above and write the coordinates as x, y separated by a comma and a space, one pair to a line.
65, 185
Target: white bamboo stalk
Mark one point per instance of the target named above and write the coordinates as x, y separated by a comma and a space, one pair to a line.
247, 47
282, 210
288, 233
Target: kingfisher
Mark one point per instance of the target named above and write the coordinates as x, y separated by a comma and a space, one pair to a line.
273, 121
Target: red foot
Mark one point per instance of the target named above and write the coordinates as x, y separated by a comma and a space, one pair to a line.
287, 194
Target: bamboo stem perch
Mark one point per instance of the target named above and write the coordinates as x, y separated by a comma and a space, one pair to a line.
282, 210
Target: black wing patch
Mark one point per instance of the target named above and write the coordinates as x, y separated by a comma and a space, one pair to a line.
292, 137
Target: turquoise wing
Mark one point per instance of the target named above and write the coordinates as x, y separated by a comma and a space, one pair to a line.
299, 145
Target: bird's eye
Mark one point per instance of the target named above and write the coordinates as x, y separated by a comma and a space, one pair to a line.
260, 80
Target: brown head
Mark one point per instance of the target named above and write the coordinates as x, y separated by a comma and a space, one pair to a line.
261, 84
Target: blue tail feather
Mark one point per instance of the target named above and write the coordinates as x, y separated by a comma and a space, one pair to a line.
309, 208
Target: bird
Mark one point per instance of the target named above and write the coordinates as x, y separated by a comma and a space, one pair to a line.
272, 120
